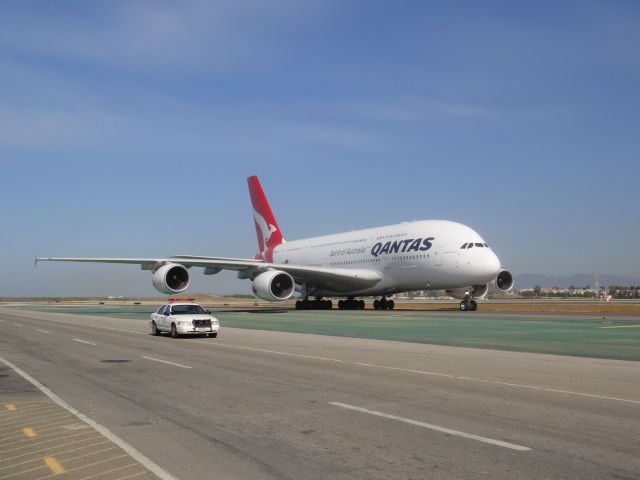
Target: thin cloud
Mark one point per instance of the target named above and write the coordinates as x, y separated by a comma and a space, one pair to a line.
145, 35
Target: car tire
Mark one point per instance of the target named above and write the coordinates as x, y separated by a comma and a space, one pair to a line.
174, 331
213, 335
154, 329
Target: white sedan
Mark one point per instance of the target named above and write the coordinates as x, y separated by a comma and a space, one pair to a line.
184, 319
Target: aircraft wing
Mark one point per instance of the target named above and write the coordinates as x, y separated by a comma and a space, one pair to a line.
336, 279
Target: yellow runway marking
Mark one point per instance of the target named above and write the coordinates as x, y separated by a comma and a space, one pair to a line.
28, 410
53, 448
35, 420
53, 464
133, 475
60, 437
111, 471
11, 407
37, 459
89, 454
623, 326
29, 432
41, 430
87, 466
24, 472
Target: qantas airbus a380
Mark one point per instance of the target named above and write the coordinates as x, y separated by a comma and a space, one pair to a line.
375, 262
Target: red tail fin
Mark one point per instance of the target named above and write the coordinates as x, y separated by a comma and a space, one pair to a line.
267, 229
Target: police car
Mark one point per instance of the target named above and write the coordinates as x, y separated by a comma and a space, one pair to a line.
181, 316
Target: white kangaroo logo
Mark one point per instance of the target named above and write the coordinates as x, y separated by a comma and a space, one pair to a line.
265, 228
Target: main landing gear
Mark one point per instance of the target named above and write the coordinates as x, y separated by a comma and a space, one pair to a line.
351, 304
317, 304
468, 305
383, 304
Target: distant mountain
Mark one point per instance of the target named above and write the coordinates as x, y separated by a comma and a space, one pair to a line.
530, 280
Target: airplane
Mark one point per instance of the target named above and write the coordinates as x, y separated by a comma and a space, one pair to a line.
374, 262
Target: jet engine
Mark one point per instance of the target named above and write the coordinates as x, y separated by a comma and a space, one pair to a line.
273, 286
503, 282
171, 278
476, 291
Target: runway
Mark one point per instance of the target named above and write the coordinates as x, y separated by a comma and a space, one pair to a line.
256, 404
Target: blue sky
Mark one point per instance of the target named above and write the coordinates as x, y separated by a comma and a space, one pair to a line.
129, 128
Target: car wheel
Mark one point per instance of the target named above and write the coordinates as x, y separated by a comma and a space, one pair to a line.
213, 335
174, 331
154, 329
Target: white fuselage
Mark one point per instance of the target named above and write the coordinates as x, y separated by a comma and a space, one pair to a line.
417, 255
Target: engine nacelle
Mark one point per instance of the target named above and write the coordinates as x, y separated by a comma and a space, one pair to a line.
503, 282
273, 286
171, 278
476, 291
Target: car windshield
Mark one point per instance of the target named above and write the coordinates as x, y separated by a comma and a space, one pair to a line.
187, 310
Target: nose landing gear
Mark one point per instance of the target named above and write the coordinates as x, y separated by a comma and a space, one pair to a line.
468, 305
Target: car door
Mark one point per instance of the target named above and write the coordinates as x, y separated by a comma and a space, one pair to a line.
167, 318
156, 316
162, 318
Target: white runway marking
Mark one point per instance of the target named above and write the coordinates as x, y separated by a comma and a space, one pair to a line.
385, 367
448, 431
83, 341
167, 362
135, 454
43, 331
424, 372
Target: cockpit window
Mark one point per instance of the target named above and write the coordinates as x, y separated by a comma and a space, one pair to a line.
470, 245
464, 246
479, 245
486, 245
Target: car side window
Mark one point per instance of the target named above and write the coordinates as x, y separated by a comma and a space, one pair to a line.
165, 310
159, 312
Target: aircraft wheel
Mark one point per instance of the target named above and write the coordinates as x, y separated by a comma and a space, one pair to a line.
474, 305
361, 304
341, 304
376, 305
391, 305
298, 304
329, 304
463, 306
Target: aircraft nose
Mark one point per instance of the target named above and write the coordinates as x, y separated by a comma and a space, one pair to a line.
487, 265
493, 263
